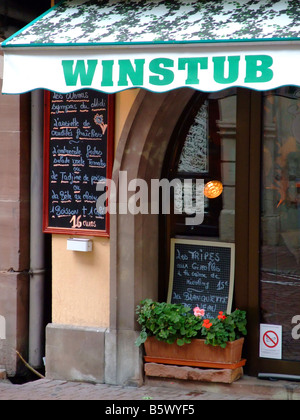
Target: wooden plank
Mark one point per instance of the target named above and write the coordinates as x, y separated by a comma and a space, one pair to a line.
194, 363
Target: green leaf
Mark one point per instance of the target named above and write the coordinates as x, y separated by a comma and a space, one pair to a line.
170, 322
141, 338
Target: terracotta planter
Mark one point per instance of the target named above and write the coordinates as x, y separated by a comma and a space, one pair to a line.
195, 353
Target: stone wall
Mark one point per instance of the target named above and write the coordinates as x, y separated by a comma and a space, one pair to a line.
14, 226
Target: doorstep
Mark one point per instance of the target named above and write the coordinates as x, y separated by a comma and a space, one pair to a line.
190, 373
246, 387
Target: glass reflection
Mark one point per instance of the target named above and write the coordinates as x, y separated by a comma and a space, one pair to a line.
280, 215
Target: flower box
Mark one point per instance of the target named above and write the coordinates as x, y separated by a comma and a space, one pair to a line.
197, 353
172, 333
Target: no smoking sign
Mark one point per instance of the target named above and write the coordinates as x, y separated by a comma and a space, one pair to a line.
270, 341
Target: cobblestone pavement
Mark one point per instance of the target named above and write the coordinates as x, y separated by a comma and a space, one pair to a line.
46, 389
59, 390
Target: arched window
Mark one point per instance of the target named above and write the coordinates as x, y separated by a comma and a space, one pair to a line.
201, 148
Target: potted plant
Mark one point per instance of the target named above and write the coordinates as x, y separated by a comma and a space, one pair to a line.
174, 331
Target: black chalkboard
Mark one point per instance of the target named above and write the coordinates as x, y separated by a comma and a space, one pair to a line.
78, 155
202, 274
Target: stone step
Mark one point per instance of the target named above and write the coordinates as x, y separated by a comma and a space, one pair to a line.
247, 387
188, 373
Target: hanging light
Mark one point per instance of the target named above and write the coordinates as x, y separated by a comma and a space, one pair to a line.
213, 189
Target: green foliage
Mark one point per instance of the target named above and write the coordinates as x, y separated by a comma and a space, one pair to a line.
171, 323
168, 322
228, 327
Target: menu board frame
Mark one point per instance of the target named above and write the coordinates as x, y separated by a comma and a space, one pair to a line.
207, 245
47, 228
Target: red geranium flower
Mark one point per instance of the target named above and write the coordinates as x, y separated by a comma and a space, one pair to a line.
206, 323
221, 316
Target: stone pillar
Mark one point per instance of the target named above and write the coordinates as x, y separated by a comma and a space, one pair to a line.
14, 227
228, 163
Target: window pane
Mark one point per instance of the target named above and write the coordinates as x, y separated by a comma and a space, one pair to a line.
208, 152
280, 215
195, 152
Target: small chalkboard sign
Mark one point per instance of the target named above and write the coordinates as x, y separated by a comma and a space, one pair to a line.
77, 156
202, 274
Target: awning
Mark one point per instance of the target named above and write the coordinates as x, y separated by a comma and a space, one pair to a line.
113, 45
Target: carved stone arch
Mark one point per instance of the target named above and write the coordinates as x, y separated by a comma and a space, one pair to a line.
134, 238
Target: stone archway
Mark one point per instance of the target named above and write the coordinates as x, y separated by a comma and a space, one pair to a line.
134, 239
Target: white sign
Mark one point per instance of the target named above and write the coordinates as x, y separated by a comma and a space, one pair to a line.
270, 345
209, 68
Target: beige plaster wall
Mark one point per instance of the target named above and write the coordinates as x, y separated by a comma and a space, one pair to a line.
80, 292
80, 280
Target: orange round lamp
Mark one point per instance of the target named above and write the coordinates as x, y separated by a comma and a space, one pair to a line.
213, 189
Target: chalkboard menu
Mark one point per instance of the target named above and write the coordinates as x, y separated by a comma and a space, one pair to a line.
202, 274
78, 156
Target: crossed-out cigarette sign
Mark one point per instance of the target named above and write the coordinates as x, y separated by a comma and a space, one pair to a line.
270, 341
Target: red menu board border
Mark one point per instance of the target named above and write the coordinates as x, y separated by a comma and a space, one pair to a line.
109, 163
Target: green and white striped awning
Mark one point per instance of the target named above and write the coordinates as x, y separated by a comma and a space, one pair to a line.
112, 45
